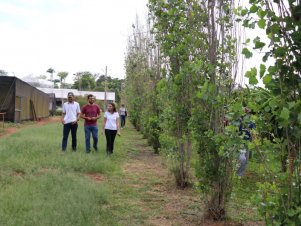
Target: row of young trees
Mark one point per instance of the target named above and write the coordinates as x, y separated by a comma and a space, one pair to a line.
180, 87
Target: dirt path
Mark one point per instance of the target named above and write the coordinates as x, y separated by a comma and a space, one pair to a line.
161, 201
172, 206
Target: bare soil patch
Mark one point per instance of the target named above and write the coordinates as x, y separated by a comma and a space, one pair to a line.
9, 131
18, 173
97, 178
45, 121
14, 129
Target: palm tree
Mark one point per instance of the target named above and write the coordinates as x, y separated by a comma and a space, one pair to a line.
51, 71
62, 75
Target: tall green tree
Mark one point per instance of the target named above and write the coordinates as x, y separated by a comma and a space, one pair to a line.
197, 63
84, 81
218, 145
62, 75
113, 85
51, 71
278, 104
174, 25
142, 75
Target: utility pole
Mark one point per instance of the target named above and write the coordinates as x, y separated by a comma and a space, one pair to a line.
106, 74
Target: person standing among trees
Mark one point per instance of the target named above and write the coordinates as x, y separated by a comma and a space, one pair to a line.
70, 117
111, 126
91, 113
245, 130
123, 115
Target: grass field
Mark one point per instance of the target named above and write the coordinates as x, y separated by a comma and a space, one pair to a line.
1, 131
39, 185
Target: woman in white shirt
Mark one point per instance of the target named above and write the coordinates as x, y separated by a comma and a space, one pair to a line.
111, 126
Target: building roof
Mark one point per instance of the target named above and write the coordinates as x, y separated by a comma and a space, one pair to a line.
62, 93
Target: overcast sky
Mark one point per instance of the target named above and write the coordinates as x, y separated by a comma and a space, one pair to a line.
72, 36
68, 35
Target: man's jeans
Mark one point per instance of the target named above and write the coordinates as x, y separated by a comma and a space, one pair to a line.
122, 119
66, 131
88, 131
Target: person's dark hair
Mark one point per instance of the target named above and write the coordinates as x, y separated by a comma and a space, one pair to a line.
114, 107
90, 95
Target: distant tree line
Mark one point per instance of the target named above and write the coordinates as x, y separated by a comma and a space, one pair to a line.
86, 80
95, 82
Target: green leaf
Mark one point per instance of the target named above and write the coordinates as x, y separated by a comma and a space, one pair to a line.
254, 8
299, 118
211, 88
247, 53
272, 70
251, 74
267, 108
237, 106
267, 79
262, 70
291, 105
266, 56
273, 103
259, 45
261, 23
285, 114
262, 13
252, 25
280, 51
246, 23
244, 12
291, 212
275, 28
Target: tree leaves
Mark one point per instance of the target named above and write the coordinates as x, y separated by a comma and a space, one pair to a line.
275, 28
280, 51
280, 107
299, 118
259, 45
243, 12
262, 13
261, 23
262, 70
266, 56
251, 74
247, 53
254, 8
267, 79
285, 114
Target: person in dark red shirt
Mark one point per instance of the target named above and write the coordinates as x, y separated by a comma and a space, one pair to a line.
91, 113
